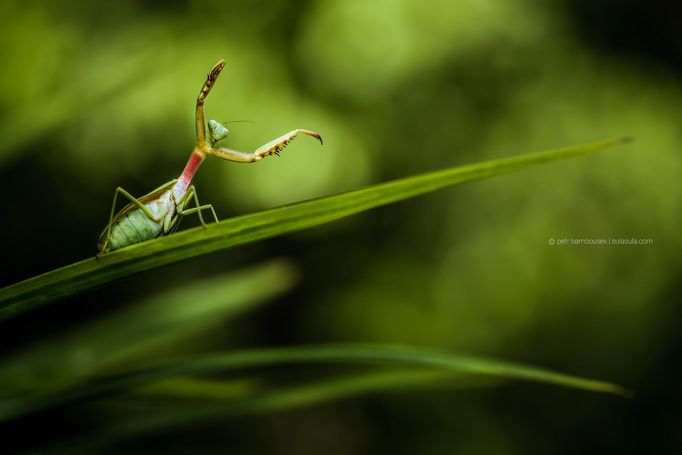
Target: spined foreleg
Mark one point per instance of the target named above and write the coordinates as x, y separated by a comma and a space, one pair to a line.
272, 147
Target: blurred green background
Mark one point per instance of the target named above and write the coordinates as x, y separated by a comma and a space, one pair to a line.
96, 95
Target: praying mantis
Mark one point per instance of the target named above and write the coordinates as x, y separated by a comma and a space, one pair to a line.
159, 213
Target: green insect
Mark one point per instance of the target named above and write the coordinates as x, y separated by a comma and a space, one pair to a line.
159, 212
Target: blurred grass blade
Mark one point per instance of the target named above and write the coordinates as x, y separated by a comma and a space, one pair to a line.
373, 354
356, 354
136, 332
166, 318
196, 390
93, 273
160, 418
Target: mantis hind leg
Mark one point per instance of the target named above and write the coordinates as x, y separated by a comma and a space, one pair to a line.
192, 195
135, 202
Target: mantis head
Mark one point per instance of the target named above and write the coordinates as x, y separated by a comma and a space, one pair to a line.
216, 131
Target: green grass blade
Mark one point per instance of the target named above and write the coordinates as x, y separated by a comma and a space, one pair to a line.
196, 390
138, 331
93, 273
345, 354
155, 418
360, 354
135, 415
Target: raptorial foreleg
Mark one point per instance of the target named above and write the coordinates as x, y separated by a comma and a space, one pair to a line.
272, 147
205, 90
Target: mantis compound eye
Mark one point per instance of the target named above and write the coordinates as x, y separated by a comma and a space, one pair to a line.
217, 131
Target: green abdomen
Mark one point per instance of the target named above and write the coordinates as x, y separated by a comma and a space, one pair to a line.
134, 227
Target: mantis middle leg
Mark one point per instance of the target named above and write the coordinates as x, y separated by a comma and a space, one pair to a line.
192, 193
